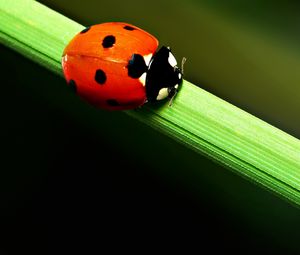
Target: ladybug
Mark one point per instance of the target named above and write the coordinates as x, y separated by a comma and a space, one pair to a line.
118, 66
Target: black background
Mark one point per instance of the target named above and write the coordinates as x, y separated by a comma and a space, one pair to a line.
74, 178
67, 184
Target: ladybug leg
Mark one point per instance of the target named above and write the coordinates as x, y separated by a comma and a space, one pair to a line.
172, 93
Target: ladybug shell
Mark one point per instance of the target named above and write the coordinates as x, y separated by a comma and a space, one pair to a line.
95, 63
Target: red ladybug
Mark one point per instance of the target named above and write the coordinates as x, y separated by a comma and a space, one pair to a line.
116, 66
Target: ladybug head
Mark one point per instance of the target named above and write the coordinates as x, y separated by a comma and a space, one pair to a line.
164, 77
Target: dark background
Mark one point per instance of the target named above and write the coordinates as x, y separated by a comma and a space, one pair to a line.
74, 178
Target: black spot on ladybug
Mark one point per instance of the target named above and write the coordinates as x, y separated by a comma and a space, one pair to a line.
85, 30
112, 102
73, 86
136, 66
100, 76
108, 41
130, 28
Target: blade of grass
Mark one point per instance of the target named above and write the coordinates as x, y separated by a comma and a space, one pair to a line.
197, 119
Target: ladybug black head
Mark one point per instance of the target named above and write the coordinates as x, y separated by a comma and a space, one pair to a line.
163, 76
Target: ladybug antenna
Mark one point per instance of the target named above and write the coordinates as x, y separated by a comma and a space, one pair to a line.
176, 90
182, 64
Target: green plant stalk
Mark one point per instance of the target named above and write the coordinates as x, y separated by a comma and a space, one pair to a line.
198, 119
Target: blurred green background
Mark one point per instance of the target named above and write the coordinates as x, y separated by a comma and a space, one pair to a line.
72, 173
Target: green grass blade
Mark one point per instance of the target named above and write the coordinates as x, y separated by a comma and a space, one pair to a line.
198, 119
